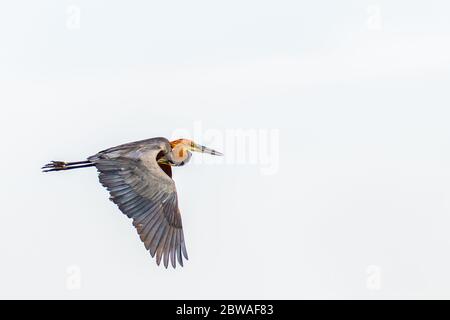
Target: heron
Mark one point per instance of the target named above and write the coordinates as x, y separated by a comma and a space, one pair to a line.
138, 176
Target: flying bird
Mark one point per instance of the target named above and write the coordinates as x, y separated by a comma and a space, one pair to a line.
138, 176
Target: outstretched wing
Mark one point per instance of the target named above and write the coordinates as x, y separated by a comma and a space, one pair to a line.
146, 194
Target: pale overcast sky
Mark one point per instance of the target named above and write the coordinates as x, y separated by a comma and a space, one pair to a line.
347, 194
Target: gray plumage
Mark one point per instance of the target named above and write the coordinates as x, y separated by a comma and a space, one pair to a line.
146, 194
138, 176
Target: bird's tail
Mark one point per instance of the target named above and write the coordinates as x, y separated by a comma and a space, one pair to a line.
61, 165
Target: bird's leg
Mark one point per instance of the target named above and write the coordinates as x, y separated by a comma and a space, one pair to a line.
61, 165
55, 165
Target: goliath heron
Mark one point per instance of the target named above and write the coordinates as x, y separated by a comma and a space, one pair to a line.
138, 176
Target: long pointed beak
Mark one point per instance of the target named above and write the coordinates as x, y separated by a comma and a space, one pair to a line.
203, 149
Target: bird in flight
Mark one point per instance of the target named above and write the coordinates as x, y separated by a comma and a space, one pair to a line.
138, 176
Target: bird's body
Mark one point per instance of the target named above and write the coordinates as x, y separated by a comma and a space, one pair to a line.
138, 177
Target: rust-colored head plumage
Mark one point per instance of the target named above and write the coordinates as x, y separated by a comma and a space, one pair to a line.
192, 146
181, 152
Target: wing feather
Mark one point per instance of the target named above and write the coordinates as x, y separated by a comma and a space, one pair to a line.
145, 193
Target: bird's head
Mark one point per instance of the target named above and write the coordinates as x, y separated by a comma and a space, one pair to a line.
182, 152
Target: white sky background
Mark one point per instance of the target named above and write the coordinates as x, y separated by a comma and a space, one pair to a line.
358, 91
